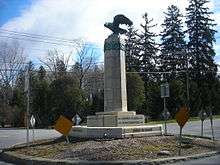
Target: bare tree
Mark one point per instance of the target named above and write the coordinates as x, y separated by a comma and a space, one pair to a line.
95, 79
11, 62
85, 60
53, 58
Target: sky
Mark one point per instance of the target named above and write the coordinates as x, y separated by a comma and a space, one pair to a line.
70, 20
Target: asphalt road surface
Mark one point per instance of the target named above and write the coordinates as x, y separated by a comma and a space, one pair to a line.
214, 160
194, 128
9, 137
13, 136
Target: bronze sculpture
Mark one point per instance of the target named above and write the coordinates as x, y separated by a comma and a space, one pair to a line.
118, 19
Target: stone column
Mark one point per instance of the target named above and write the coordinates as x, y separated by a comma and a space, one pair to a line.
115, 94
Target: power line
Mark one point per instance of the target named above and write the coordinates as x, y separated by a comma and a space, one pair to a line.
42, 63
48, 42
75, 41
126, 72
158, 72
45, 39
32, 40
40, 38
38, 35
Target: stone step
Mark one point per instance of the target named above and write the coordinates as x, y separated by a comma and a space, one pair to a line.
115, 132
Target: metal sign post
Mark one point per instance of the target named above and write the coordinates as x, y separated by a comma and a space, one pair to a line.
165, 92
67, 139
203, 116
211, 121
180, 141
27, 91
164, 108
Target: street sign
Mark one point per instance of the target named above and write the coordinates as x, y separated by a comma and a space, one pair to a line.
63, 125
165, 91
182, 116
32, 121
166, 114
202, 115
76, 119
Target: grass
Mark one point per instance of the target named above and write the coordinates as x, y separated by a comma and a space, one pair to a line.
174, 121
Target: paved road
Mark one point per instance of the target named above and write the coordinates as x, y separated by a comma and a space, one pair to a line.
194, 128
12, 136
9, 137
214, 160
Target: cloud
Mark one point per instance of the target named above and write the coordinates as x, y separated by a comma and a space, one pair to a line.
82, 19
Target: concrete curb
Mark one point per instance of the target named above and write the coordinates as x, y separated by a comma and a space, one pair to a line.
28, 160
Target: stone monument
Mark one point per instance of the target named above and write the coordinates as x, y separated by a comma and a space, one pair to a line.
115, 121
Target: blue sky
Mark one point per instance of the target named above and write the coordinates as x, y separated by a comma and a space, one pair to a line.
10, 9
84, 19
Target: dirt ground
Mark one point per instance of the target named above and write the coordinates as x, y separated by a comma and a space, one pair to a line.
145, 148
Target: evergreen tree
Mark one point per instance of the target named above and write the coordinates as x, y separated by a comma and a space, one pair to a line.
173, 45
41, 73
200, 47
65, 98
41, 98
131, 50
61, 68
147, 48
135, 92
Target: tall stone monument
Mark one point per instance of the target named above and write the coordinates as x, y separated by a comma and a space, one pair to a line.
115, 121
115, 94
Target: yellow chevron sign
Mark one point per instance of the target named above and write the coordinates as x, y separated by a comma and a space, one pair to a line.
182, 116
63, 125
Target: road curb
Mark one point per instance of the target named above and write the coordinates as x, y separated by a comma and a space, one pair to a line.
26, 160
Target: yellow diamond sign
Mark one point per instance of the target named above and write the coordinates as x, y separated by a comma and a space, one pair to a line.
63, 125
182, 116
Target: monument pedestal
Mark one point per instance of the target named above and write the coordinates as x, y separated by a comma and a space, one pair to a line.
115, 132
115, 121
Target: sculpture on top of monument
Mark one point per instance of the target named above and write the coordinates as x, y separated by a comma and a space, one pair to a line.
118, 19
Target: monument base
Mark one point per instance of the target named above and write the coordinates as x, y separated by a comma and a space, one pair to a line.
115, 132
115, 124
115, 119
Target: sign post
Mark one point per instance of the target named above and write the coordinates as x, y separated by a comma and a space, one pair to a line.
211, 121
181, 117
203, 116
165, 92
27, 91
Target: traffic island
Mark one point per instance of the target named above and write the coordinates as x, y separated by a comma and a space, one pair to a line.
162, 149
